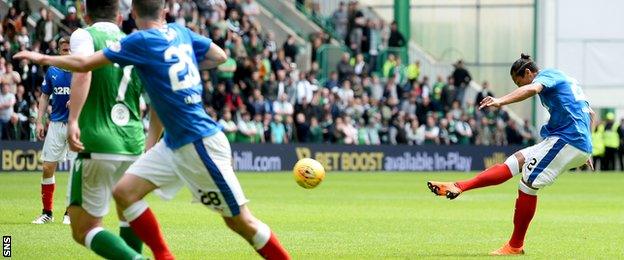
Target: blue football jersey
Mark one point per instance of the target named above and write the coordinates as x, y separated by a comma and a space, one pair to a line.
568, 108
57, 84
166, 60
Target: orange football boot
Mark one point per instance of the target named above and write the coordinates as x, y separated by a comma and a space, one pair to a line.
508, 250
447, 189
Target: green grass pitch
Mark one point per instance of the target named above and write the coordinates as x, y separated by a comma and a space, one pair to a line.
354, 216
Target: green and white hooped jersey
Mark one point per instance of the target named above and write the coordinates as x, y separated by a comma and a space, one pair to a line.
110, 121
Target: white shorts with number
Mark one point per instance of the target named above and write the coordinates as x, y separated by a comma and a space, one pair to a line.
55, 147
204, 166
92, 181
544, 161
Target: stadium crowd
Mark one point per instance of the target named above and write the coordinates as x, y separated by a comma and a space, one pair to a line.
260, 96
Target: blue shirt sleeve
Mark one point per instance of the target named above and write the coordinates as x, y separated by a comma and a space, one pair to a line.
201, 45
547, 78
46, 85
129, 51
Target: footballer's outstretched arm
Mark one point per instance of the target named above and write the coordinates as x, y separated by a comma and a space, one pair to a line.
517, 95
75, 63
213, 57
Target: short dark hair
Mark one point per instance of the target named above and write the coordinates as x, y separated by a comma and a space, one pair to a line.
63, 40
148, 9
519, 66
106, 10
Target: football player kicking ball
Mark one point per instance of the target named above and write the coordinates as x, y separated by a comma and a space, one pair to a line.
56, 85
194, 151
566, 144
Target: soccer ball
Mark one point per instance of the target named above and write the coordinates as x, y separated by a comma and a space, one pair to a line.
308, 173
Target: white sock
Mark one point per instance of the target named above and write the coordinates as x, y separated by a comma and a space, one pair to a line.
90, 235
135, 210
262, 236
47, 181
124, 223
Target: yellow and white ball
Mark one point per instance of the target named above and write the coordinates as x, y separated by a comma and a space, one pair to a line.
308, 173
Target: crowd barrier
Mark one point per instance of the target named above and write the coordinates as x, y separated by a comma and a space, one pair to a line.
24, 156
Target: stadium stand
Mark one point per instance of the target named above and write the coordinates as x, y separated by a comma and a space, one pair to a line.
280, 89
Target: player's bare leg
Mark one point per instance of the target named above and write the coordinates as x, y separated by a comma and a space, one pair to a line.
48, 184
494, 175
87, 230
258, 234
128, 194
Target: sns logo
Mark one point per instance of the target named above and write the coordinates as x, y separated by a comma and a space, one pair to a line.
6, 246
62, 91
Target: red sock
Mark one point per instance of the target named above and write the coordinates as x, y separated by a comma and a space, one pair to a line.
146, 227
525, 210
494, 175
47, 196
273, 250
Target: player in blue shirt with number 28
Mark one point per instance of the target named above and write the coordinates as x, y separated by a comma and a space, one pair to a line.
566, 144
55, 88
194, 152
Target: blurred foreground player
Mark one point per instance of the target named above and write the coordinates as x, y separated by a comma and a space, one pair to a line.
566, 145
194, 150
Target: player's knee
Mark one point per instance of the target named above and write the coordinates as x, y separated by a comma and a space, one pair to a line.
239, 224
48, 168
124, 196
79, 235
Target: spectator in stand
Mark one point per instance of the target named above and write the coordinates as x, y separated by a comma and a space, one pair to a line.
463, 130
282, 107
234, 101
302, 128
250, 9
438, 94
229, 126
340, 21
415, 134
316, 132
11, 78
456, 110
305, 87
21, 116
7, 100
361, 68
225, 71
513, 134
344, 68
246, 129
387, 68
485, 92
356, 35
289, 127
413, 72
278, 131
71, 20
396, 39
259, 128
500, 137
431, 131
461, 78
290, 48
528, 133
349, 131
